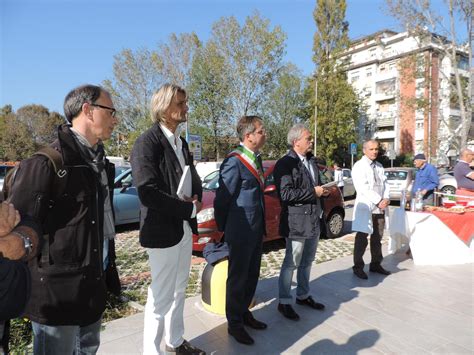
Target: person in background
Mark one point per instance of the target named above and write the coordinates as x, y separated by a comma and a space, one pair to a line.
167, 222
339, 178
426, 180
71, 274
369, 210
464, 176
298, 185
19, 242
239, 209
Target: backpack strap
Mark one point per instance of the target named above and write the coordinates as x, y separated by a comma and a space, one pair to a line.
60, 173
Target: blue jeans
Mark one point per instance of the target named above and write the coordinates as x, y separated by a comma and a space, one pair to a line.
299, 254
66, 339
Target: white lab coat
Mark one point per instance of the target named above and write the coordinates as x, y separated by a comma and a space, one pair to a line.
367, 198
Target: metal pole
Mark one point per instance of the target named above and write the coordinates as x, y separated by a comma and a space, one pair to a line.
315, 115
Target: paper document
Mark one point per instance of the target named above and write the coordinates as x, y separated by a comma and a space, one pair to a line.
185, 184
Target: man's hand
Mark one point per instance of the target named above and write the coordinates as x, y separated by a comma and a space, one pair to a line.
9, 218
383, 204
196, 202
423, 192
321, 191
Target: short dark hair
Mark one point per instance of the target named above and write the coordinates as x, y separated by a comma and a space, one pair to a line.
246, 125
79, 96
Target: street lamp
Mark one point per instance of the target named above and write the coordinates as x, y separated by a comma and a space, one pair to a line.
315, 114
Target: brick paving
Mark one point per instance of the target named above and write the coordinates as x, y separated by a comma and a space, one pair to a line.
132, 263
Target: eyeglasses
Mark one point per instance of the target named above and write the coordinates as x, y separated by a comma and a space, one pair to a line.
260, 132
113, 111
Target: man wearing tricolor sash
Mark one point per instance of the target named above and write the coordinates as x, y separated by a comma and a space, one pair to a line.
240, 214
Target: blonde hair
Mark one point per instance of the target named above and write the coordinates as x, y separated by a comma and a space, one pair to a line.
161, 101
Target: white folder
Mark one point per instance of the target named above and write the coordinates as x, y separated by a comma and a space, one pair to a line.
185, 184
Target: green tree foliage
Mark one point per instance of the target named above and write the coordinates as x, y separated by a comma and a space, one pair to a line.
337, 104
253, 55
285, 106
209, 99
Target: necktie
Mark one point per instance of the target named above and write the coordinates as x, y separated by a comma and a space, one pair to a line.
376, 178
308, 167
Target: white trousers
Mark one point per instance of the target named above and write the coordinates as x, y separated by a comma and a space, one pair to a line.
166, 294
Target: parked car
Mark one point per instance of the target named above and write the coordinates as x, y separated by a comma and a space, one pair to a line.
349, 189
126, 203
333, 209
400, 179
447, 183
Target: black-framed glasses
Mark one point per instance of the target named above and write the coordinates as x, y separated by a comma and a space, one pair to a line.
113, 111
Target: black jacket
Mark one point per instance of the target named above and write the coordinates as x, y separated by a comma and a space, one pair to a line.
300, 207
68, 281
156, 174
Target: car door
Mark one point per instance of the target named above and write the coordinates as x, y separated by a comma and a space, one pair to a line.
272, 207
349, 189
126, 203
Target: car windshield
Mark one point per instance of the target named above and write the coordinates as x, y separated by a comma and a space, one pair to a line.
396, 175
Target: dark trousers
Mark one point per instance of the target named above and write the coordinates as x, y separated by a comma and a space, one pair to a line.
360, 244
242, 277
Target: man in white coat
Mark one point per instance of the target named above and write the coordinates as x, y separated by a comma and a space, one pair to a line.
369, 211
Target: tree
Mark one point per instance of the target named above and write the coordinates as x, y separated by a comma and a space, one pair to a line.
337, 105
209, 97
285, 106
253, 55
421, 19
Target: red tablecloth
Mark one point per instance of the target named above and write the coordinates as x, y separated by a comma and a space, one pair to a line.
462, 224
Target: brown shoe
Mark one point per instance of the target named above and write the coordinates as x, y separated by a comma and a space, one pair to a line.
288, 311
311, 303
185, 349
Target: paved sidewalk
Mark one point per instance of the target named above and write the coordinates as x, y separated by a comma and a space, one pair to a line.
416, 310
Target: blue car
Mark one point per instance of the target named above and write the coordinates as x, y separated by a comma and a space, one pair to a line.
126, 203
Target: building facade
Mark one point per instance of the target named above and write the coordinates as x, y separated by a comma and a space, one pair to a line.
409, 102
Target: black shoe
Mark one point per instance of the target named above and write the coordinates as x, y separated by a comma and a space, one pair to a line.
250, 321
185, 348
241, 335
288, 311
311, 303
379, 270
360, 274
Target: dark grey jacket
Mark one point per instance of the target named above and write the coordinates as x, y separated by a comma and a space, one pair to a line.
156, 174
300, 207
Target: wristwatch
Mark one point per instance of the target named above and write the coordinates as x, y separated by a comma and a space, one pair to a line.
28, 245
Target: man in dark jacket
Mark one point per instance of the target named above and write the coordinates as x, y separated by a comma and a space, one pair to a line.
297, 180
74, 208
160, 160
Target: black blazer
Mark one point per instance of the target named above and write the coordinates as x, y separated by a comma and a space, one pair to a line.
300, 207
156, 173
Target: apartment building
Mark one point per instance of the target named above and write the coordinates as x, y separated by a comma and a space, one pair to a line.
409, 105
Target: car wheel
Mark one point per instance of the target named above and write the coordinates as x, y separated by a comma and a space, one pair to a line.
335, 224
448, 189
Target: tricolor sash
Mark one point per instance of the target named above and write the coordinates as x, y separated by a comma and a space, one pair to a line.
250, 162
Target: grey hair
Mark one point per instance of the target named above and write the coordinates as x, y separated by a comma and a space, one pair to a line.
295, 133
364, 145
465, 152
79, 96
246, 125
161, 101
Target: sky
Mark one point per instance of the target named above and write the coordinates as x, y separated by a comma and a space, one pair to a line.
48, 47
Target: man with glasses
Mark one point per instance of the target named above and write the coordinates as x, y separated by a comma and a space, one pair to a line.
74, 207
240, 213
369, 210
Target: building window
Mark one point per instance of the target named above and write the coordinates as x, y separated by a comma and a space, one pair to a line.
372, 53
369, 74
386, 87
419, 125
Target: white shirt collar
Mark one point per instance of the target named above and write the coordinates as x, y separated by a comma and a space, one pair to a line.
173, 138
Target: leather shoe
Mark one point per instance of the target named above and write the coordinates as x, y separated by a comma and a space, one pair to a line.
379, 270
288, 311
250, 321
311, 303
360, 274
184, 348
241, 335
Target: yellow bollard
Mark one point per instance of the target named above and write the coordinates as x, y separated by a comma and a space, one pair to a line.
213, 287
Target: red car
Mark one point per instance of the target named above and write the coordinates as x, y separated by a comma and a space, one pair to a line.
333, 209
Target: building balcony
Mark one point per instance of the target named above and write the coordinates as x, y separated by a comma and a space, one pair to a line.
385, 119
384, 134
386, 95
